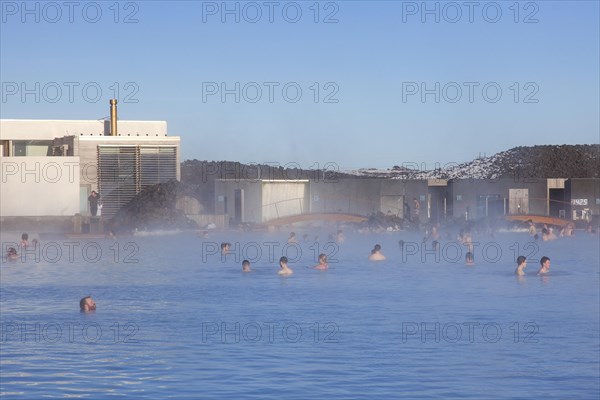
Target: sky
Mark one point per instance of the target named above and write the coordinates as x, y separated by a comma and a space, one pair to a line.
354, 84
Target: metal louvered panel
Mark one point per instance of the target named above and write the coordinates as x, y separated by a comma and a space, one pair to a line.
157, 164
124, 171
117, 177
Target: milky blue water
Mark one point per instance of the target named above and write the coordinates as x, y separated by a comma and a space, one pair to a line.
174, 320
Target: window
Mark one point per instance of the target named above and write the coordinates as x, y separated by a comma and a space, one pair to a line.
32, 148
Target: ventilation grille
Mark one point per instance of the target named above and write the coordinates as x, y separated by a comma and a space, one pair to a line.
124, 171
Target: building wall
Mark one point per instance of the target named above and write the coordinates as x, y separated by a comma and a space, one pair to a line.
411, 190
284, 198
584, 195
86, 148
464, 194
368, 196
225, 198
26, 129
73, 143
352, 196
39, 186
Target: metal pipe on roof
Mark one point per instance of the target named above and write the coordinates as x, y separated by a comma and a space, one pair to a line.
113, 117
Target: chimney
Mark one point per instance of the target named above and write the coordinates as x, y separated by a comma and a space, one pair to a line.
113, 117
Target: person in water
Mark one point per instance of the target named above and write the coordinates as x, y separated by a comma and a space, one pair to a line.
246, 266
87, 304
322, 262
292, 238
283, 267
435, 235
376, 254
24, 240
468, 241
11, 254
225, 248
544, 265
521, 265
340, 237
531, 227
469, 259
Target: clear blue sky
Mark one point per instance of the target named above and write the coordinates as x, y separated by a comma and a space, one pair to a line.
374, 61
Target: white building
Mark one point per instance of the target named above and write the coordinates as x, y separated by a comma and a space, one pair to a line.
50, 167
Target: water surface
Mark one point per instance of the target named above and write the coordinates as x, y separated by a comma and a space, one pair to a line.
174, 320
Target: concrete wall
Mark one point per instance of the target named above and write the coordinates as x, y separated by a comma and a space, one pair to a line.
469, 189
39, 186
410, 190
368, 196
579, 189
353, 196
27, 129
225, 198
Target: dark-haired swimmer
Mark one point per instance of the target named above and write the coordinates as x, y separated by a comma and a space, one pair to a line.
376, 254
545, 266
246, 266
322, 262
24, 240
11, 254
87, 304
521, 264
283, 267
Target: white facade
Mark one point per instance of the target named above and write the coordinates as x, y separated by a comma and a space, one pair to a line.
29, 129
39, 186
49, 167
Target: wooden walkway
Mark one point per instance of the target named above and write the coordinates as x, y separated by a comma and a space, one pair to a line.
539, 219
336, 217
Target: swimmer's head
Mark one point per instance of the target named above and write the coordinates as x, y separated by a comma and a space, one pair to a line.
24, 236
283, 260
87, 304
322, 258
521, 260
377, 247
543, 261
245, 265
